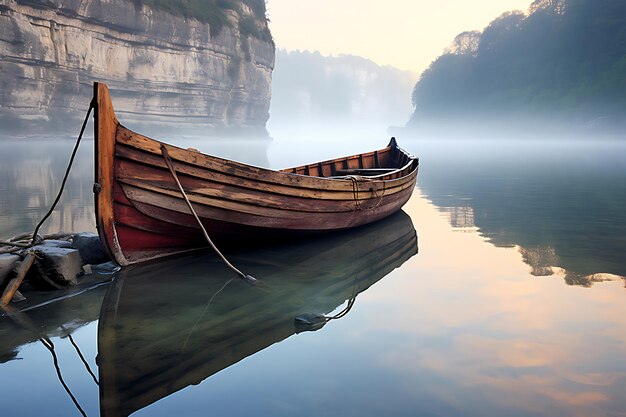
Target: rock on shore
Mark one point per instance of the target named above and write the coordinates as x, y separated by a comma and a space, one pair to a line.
59, 263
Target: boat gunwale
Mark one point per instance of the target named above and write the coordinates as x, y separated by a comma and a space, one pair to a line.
264, 175
369, 177
363, 192
391, 147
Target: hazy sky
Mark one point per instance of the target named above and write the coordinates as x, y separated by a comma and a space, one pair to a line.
408, 34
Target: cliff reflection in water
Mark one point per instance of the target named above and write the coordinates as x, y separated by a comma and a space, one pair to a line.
560, 203
170, 324
31, 171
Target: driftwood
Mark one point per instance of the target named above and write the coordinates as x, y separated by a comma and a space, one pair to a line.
15, 283
18, 297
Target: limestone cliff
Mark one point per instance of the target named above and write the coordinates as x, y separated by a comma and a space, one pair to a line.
159, 67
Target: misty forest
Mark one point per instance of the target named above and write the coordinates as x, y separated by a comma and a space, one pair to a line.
564, 60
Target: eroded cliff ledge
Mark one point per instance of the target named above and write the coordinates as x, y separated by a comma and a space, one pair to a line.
160, 67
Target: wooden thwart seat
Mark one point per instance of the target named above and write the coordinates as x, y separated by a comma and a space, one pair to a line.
364, 171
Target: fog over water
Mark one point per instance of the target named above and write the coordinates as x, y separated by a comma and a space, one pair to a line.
513, 237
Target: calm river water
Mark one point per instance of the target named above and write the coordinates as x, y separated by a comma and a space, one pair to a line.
499, 291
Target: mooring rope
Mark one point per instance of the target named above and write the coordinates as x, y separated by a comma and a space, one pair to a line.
351, 301
355, 191
206, 308
343, 312
80, 355
22, 320
170, 166
50, 346
19, 242
92, 105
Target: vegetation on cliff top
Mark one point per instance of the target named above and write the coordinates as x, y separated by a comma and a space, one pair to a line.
214, 13
564, 58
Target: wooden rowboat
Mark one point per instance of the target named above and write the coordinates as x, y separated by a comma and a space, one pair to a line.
141, 214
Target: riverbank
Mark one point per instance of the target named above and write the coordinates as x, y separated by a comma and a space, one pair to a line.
55, 264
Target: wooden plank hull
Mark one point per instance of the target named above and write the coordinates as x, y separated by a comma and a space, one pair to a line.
158, 335
141, 214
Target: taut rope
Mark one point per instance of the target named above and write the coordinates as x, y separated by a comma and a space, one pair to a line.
23, 321
170, 166
50, 346
19, 242
92, 105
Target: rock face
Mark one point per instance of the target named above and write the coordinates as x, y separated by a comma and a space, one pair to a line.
159, 67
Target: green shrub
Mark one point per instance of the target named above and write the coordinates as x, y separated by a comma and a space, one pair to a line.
213, 12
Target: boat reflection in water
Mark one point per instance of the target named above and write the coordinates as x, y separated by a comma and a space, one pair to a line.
166, 325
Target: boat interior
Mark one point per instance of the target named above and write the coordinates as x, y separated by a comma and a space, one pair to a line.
369, 164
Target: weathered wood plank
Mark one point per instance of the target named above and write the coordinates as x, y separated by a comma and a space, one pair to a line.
128, 173
147, 160
105, 129
216, 210
236, 169
15, 283
132, 187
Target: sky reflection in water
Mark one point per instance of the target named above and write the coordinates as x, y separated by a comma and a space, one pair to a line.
460, 329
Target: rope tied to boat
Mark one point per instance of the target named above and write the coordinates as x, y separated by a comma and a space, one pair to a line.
18, 242
373, 189
170, 166
92, 106
312, 321
55, 360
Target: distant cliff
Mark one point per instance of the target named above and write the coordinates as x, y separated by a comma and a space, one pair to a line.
562, 61
310, 87
161, 66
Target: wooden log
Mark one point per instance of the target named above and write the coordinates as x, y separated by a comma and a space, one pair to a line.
15, 283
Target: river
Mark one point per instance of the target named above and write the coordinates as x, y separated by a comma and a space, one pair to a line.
498, 291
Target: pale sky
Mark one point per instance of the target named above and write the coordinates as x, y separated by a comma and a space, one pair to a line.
407, 34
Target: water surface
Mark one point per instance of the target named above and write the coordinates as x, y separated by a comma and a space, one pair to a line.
513, 306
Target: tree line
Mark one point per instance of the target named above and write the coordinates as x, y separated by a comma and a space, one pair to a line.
562, 59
